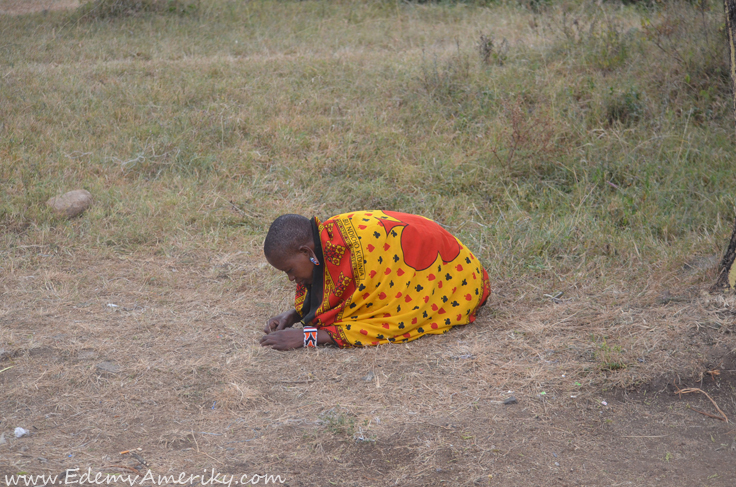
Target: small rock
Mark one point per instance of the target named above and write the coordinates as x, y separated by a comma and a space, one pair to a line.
369, 377
70, 204
510, 400
21, 432
109, 367
2, 439
557, 464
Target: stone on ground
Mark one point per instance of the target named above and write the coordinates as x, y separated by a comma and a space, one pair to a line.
71, 204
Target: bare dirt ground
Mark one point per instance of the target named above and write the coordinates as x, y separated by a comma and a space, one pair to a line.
20, 7
103, 354
126, 363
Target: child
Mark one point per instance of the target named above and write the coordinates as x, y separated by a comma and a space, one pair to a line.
369, 278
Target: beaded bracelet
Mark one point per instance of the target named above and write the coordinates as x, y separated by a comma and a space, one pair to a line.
310, 336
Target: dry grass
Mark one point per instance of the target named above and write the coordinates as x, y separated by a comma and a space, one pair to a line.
586, 159
195, 390
21, 7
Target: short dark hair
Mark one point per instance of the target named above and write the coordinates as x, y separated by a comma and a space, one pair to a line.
286, 234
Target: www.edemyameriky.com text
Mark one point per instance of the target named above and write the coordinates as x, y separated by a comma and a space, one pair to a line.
73, 476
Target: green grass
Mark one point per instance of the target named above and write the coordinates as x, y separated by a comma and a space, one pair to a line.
600, 141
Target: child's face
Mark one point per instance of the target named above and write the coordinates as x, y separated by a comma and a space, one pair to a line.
296, 265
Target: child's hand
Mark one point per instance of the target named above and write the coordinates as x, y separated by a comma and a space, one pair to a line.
283, 339
279, 322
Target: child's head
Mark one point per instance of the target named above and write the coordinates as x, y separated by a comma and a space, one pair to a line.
289, 246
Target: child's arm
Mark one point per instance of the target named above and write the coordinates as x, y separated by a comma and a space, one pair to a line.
291, 339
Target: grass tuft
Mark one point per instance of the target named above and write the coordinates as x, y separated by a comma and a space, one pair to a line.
94, 10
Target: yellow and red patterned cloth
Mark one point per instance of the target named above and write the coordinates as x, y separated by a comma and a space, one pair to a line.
390, 277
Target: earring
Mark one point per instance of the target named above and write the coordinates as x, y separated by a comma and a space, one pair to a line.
314, 261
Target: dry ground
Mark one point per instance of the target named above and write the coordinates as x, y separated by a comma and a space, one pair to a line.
104, 353
155, 350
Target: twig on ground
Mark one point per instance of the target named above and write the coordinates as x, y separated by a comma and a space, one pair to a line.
238, 209
195, 441
713, 373
706, 414
695, 389
213, 458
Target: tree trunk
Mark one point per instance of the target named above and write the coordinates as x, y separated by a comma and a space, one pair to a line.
730, 8
727, 270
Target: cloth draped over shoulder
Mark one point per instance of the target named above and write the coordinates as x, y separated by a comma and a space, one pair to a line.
389, 277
